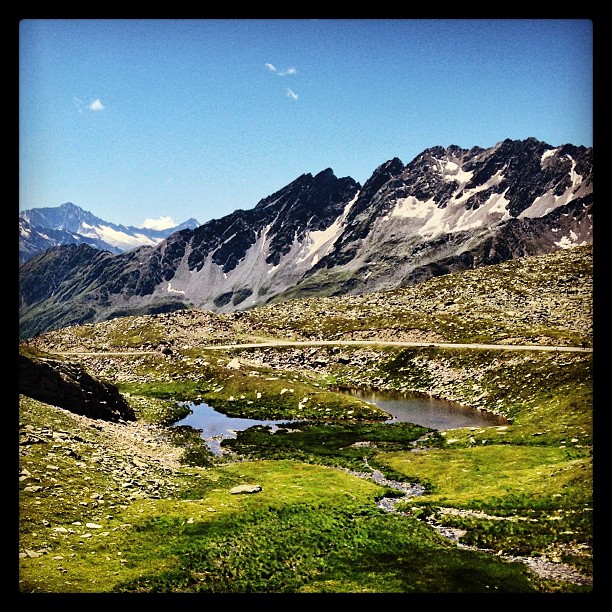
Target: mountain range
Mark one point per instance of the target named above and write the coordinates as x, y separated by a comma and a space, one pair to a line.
449, 209
43, 228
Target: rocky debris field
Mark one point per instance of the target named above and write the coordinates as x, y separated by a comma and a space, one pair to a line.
136, 456
516, 302
90, 468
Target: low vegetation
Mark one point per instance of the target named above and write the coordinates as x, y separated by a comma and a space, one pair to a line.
146, 507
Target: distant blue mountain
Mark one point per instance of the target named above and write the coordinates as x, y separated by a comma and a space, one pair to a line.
43, 228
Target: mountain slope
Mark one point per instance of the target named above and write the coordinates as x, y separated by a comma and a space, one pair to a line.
453, 209
543, 300
43, 228
449, 209
527, 483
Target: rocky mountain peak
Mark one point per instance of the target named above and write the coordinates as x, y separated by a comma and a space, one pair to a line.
449, 209
44, 228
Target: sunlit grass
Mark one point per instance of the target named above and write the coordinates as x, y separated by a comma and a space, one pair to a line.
139, 537
476, 477
523, 489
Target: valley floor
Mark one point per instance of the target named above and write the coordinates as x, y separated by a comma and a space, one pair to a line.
144, 507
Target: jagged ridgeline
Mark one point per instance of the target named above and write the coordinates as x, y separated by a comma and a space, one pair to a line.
450, 209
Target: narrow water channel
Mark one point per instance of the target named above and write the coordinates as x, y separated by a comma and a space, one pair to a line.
420, 410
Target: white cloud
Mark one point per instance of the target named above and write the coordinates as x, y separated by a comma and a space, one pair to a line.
289, 71
158, 224
281, 73
96, 105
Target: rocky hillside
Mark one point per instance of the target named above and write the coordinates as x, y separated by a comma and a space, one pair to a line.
134, 505
546, 299
448, 210
69, 386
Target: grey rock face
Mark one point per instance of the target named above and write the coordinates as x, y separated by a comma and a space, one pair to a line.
449, 209
68, 386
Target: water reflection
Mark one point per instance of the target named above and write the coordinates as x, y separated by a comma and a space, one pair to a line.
427, 411
418, 409
216, 426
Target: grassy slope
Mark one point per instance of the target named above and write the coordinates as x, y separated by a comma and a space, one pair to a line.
537, 300
312, 528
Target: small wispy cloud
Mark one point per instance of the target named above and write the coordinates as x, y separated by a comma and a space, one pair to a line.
96, 105
281, 73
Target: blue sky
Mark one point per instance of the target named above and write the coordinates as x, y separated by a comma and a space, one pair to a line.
138, 120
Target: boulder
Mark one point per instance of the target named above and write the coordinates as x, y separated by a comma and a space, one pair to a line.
245, 488
69, 386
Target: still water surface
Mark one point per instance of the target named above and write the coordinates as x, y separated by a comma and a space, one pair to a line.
216, 426
427, 411
420, 410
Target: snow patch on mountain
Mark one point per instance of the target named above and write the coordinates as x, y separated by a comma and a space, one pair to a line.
319, 243
491, 212
548, 153
413, 207
570, 241
163, 223
548, 202
171, 290
450, 170
449, 209
43, 228
453, 218
494, 181
117, 238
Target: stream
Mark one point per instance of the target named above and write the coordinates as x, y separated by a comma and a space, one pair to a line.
418, 409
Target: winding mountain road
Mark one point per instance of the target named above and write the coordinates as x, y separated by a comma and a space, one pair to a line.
306, 343
506, 347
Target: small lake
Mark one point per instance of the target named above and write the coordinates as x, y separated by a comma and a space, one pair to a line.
216, 426
427, 411
418, 409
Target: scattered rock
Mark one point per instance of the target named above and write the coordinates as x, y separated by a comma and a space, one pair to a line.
245, 488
